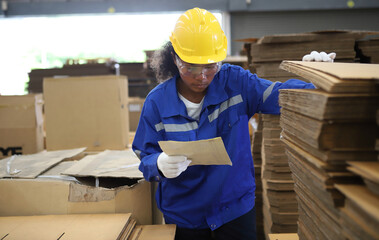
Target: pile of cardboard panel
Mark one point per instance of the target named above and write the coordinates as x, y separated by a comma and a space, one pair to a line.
36, 76
139, 80
279, 199
328, 132
368, 50
256, 148
266, 53
83, 226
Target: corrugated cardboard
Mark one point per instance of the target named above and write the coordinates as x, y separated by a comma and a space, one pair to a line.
116, 164
70, 227
157, 232
32, 165
135, 108
52, 193
337, 77
21, 124
25, 197
87, 112
283, 236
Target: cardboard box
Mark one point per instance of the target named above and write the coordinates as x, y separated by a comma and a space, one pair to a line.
108, 189
87, 112
21, 124
135, 108
26, 197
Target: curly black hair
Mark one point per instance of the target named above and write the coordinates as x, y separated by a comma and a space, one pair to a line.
162, 63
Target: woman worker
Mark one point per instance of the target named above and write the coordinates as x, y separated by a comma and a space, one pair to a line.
199, 98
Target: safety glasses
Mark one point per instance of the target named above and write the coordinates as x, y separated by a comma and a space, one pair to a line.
194, 70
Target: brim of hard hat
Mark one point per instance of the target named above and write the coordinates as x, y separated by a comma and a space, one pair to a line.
202, 59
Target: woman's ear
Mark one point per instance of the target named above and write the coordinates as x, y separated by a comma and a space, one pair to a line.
173, 58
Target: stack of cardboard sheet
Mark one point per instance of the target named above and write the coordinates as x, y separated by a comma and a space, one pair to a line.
323, 130
107, 182
369, 50
279, 199
268, 52
140, 80
256, 146
82, 226
359, 216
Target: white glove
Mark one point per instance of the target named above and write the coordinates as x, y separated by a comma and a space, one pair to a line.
319, 57
172, 166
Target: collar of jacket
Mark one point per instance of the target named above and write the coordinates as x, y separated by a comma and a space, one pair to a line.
215, 95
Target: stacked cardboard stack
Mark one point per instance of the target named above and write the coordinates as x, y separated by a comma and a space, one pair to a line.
139, 80
323, 129
36, 76
256, 146
267, 52
368, 50
279, 201
83, 226
359, 216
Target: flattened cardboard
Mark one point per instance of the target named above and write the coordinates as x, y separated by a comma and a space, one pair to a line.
202, 152
87, 112
82, 226
157, 232
283, 236
295, 51
329, 135
30, 166
362, 198
368, 170
343, 71
337, 77
321, 105
315, 36
332, 156
110, 163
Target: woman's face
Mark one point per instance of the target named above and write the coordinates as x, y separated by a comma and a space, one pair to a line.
196, 77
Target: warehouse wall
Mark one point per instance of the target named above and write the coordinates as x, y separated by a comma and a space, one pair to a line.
258, 24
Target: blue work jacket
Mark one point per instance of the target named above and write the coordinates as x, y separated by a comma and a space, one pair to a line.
207, 196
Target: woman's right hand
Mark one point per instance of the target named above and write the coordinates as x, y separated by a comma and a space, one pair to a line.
172, 166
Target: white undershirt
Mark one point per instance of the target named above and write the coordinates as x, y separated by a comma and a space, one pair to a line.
193, 109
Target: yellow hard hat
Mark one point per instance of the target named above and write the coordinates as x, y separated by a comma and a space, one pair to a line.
198, 38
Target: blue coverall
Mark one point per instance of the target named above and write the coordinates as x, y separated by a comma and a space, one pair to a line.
207, 196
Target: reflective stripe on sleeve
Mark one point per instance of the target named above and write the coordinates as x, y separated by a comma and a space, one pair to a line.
268, 91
